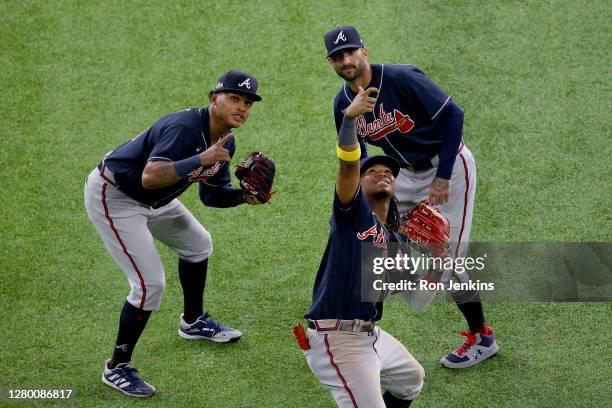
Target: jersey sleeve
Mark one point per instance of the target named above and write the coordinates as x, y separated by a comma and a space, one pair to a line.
415, 84
220, 197
343, 214
338, 117
449, 126
173, 144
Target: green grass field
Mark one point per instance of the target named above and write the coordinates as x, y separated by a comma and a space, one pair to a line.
81, 77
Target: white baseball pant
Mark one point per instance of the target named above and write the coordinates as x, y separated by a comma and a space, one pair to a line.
411, 188
128, 227
355, 366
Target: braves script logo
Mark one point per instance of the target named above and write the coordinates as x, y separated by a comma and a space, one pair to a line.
379, 237
384, 124
202, 174
247, 83
340, 36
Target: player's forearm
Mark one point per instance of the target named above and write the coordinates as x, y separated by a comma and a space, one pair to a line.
348, 173
221, 197
450, 128
159, 174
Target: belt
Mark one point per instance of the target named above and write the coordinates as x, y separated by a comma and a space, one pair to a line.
359, 326
419, 167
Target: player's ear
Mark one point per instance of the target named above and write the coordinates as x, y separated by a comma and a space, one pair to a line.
330, 61
365, 52
212, 97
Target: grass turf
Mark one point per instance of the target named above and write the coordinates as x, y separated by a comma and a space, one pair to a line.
79, 78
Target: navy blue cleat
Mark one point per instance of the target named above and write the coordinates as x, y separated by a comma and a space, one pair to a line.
208, 329
125, 378
474, 350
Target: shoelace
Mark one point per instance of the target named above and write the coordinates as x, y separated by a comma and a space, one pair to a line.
469, 342
208, 321
132, 374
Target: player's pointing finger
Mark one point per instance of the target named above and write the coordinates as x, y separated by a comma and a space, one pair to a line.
226, 138
370, 90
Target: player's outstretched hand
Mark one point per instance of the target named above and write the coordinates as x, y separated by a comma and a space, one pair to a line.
439, 191
362, 103
216, 152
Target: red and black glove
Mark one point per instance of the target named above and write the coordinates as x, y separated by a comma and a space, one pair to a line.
427, 230
256, 175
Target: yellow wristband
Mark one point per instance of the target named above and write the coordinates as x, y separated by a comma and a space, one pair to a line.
348, 156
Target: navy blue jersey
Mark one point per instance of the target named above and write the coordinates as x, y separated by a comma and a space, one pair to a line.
403, 122
174, 137
337, 289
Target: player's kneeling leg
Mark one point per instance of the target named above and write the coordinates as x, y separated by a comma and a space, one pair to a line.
401, 375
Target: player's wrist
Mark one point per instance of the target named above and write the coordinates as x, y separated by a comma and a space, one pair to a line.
443, 175
242, 197
349, 114
440, 184
186, 166
348, 156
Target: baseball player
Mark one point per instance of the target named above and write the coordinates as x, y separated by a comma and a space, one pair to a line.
344, 348
131, 198
418, 124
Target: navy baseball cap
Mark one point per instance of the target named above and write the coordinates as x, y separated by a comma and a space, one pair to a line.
387, 161
238, 82
342, 37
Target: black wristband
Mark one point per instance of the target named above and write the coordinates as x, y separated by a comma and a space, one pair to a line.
186, 166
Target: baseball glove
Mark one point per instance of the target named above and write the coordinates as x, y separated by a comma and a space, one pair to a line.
427, 230
256, 175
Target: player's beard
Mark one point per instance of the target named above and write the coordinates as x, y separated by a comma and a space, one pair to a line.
358, 72
375, 193
382, 195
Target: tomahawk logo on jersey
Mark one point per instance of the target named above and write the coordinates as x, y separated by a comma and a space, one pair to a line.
204, 174
383, 125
